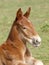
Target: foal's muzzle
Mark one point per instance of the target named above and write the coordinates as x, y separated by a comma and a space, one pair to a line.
36, 41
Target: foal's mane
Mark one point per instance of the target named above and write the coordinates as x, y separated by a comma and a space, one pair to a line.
14, 24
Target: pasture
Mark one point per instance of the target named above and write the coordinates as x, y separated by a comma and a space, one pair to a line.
39, 16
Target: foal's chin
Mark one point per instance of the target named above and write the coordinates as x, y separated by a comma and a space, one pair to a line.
34, 45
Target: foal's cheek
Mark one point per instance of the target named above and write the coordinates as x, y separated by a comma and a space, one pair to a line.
28, 33
25, 31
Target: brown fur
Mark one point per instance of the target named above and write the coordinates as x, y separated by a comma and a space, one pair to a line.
14, 51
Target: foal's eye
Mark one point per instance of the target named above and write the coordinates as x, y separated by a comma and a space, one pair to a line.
24, 27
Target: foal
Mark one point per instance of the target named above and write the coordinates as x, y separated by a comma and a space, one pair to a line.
14, 51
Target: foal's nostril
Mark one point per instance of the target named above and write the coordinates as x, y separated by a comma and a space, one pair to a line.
37, 41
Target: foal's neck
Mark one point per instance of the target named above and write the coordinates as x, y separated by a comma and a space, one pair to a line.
27, 53
14, 35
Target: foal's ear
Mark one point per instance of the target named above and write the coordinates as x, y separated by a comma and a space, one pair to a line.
19, 13
28, 12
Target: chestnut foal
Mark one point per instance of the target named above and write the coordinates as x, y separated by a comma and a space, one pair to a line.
14, 51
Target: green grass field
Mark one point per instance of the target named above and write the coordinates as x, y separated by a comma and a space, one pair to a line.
39, 16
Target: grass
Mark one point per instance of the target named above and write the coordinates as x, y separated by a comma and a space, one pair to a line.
39, 17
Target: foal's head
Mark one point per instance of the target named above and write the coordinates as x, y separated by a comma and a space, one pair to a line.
26, 29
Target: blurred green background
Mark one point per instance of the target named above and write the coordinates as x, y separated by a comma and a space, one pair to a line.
39, 16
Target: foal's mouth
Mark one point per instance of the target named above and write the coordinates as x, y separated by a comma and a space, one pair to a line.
36, 44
